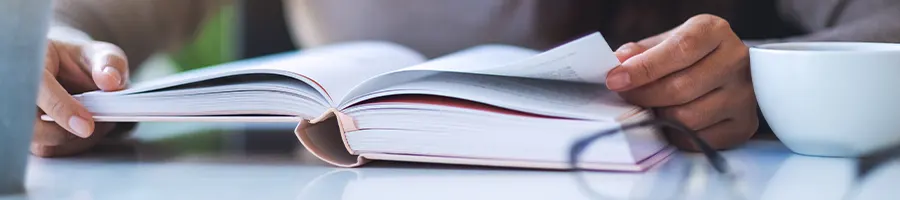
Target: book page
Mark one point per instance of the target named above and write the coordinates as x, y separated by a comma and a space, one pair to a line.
338, 68
543, 97
332, 70
585, 60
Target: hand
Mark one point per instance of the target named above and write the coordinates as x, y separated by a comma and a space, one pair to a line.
70, 69
698, 74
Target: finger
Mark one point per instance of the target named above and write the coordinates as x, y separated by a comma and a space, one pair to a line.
65, 110
721, 66
686, 45
705, 111
629, 50
49, 133
656, 39
109, 66
73, 75
73, 146
729, 133
723, 135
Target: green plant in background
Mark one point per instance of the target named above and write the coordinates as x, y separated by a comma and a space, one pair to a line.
214, 44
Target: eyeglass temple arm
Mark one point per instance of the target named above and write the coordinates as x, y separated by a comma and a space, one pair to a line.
868, 162
716, 160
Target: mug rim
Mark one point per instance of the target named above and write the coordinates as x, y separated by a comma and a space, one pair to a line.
830, 47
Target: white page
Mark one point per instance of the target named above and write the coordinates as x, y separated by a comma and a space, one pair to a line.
439, 130
552, 98
586, 60
331, 70
339, 68
283, 96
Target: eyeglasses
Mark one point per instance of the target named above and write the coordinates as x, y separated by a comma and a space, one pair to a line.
715, 159
865, 165
869, 162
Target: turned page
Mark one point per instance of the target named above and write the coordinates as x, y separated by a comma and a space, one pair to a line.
586, 59
562, 81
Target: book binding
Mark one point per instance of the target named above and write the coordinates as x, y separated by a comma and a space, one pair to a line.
325, 138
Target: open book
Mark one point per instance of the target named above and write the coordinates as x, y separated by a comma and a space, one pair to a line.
492, 105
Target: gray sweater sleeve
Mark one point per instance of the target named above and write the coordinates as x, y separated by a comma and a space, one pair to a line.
841, 20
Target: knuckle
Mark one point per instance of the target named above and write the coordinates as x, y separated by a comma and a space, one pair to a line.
707, 19
678, 91
645, 68
57, 107
720, 24
686, 42
710, 23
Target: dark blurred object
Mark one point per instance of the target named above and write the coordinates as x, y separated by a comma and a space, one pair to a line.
759, 19
262, 29
870, 162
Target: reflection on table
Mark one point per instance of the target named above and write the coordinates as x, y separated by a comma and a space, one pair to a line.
265, 161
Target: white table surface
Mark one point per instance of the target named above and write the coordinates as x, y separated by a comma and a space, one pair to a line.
264, 161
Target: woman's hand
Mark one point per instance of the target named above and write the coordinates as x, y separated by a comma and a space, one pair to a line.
71, 69
698, 74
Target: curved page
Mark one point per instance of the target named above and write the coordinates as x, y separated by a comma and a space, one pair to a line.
332, 70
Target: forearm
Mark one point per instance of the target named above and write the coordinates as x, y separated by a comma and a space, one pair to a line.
140, 27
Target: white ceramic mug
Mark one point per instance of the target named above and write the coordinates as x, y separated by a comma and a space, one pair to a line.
829, 98
23, 32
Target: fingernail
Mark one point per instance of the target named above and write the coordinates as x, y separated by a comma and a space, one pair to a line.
113, 73
618, 80
81, 126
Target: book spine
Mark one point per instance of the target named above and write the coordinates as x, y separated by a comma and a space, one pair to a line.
325, 137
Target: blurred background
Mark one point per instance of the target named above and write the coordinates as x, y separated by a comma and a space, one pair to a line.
244, 29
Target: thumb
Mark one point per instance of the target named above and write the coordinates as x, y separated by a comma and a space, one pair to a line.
109, 66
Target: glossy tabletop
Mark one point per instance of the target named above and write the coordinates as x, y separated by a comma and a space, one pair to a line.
265, 161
